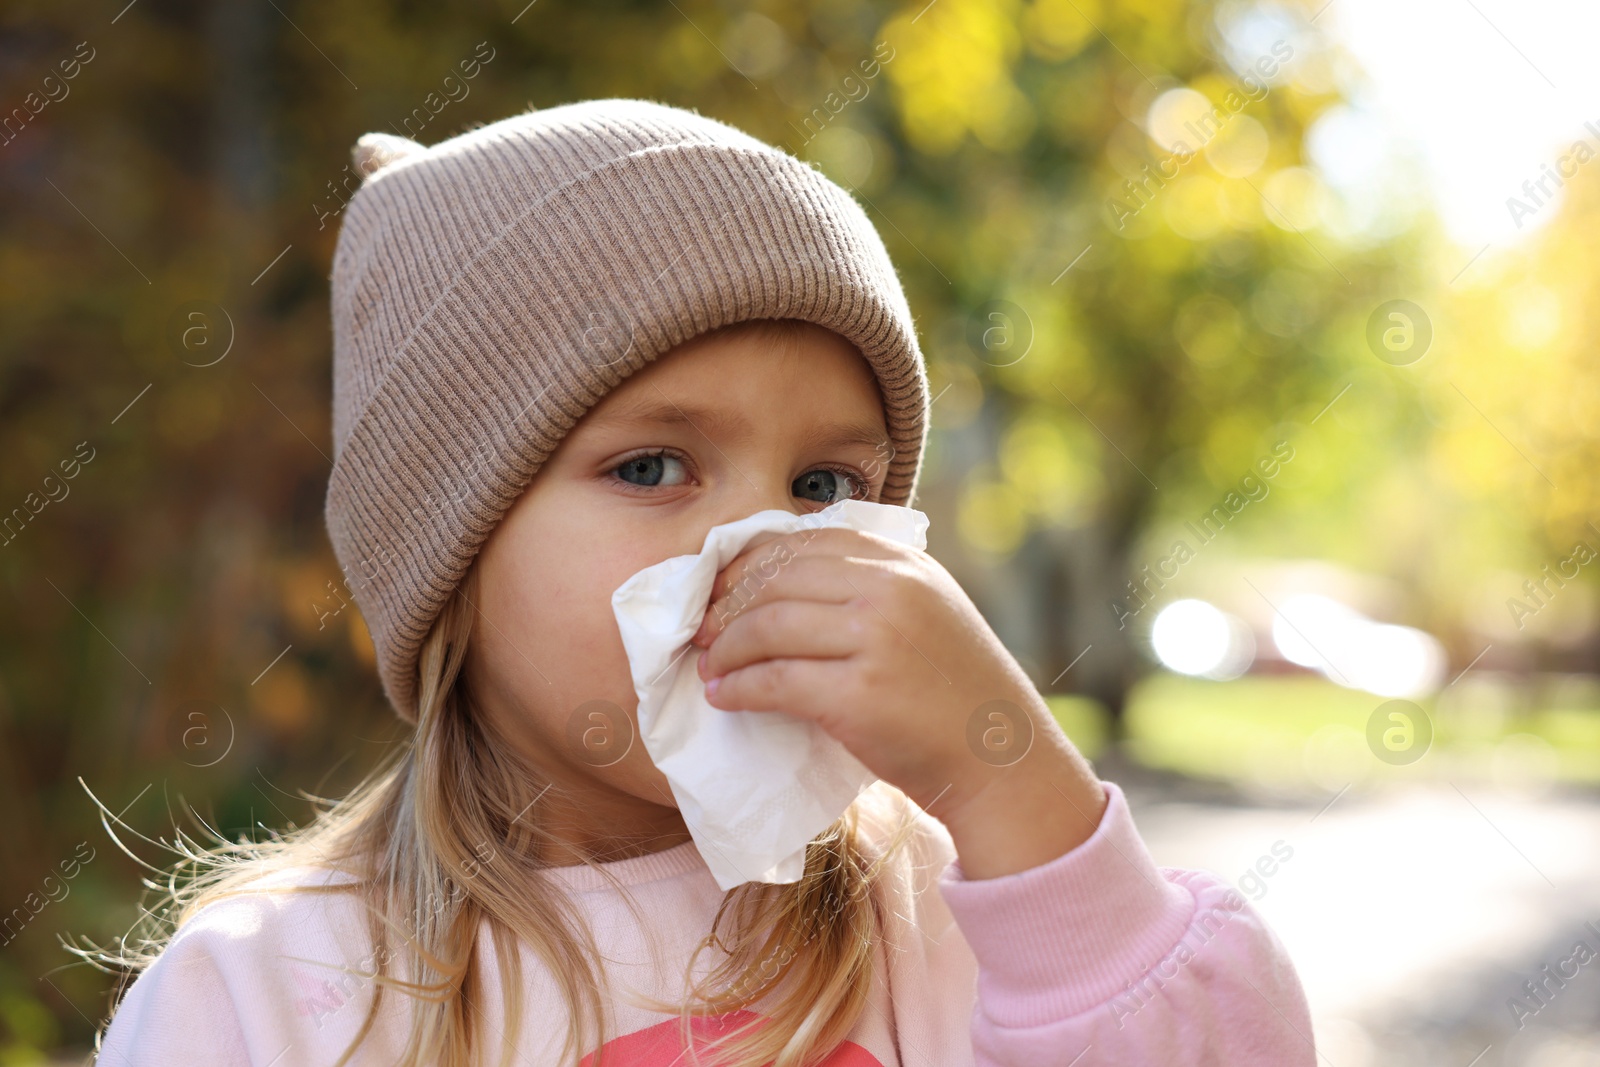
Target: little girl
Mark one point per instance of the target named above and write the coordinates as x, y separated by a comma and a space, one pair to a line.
567, 345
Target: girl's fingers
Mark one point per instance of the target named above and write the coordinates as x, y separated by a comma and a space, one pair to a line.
828, 578
764, 557
784, 629
808, 689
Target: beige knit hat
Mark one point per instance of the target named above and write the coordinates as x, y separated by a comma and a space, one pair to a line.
489, 290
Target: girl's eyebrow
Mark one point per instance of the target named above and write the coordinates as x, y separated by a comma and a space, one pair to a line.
731, 427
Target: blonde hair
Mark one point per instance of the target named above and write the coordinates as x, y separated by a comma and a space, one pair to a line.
438, 850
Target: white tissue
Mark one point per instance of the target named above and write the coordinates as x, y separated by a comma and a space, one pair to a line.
753, 786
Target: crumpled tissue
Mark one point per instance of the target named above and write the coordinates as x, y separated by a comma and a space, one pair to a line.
753, 786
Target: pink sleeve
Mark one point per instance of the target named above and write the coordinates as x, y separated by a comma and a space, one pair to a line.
1101, 957
183, 1009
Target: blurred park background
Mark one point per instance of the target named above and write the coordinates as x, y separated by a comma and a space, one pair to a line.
1262, 419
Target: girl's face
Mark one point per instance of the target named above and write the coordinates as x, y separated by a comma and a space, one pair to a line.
722, 426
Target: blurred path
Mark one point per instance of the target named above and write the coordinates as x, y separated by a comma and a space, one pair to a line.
1413, 916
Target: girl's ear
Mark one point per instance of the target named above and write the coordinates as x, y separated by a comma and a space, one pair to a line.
374, 151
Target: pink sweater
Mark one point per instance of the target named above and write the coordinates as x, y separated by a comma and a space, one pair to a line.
1098, 957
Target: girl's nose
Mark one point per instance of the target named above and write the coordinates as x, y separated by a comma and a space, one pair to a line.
758, 491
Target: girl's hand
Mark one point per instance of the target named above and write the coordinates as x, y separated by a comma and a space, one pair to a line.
876, 643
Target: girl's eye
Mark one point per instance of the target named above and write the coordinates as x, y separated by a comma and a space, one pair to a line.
654, 470
833, 484
651, 469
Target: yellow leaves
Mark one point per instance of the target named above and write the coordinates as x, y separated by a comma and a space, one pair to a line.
1530, 316
1474, 460
849, 156
957, 393
1206, 119
1058, 29
1002, 117
1208, 328
1240, 148
1181, 120
1570, 504
990, 517
1048, 473
1296, 199
688, 57
1193, 207
1233, 442
1054, 474
953, 63
1058, 355
305, 587
1484, 447
1159, 12
755, 45
1242, 205
282, 698
1076, 106
1514, 399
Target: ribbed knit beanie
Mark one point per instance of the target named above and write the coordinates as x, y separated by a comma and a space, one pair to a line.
487, 291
